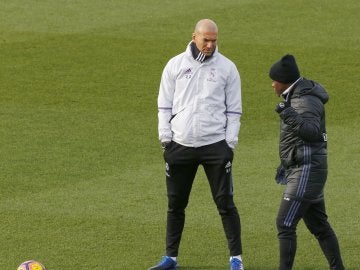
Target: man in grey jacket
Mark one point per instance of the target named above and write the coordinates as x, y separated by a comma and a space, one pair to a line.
199, 107
303, 169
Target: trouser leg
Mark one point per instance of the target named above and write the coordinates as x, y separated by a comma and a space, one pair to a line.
217, 162
290, 212
180, 174
316, 221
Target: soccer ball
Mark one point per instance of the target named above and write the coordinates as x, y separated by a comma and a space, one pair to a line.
31, 265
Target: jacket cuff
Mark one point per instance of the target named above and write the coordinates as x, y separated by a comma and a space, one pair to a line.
232, 144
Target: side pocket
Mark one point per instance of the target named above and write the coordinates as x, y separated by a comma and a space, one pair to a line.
229, 150
168, 150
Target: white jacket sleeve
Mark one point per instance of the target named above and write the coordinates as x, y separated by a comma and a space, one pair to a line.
165, 102
233, 107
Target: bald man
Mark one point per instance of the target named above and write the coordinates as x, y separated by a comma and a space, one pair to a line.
199, 109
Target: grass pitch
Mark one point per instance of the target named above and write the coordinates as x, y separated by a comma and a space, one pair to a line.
81, 171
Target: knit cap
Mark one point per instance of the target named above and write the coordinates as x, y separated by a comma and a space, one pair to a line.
285, 70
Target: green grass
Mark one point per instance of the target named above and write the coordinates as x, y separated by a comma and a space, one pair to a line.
81, 171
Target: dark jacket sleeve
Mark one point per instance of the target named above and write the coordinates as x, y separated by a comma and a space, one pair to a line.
305, 118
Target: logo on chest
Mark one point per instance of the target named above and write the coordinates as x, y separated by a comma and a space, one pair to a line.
188, 73
211, 77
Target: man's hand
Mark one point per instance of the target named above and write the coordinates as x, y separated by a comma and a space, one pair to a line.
164, 145
282, 106
280, 175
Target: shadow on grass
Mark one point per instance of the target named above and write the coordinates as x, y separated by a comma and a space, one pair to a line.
212, 267
199, 267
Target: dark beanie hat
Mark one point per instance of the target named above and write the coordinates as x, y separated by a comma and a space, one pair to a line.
285, 70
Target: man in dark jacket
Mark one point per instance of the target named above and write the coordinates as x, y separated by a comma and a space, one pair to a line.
303, 168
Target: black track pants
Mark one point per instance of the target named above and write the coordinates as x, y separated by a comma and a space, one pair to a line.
181, 167
315, 218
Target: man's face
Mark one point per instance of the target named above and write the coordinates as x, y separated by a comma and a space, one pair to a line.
279, 87
205, 41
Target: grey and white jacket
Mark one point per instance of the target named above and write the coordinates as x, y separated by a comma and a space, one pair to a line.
199, 103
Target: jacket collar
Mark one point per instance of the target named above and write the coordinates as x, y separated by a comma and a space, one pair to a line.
194, 52
287, 93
